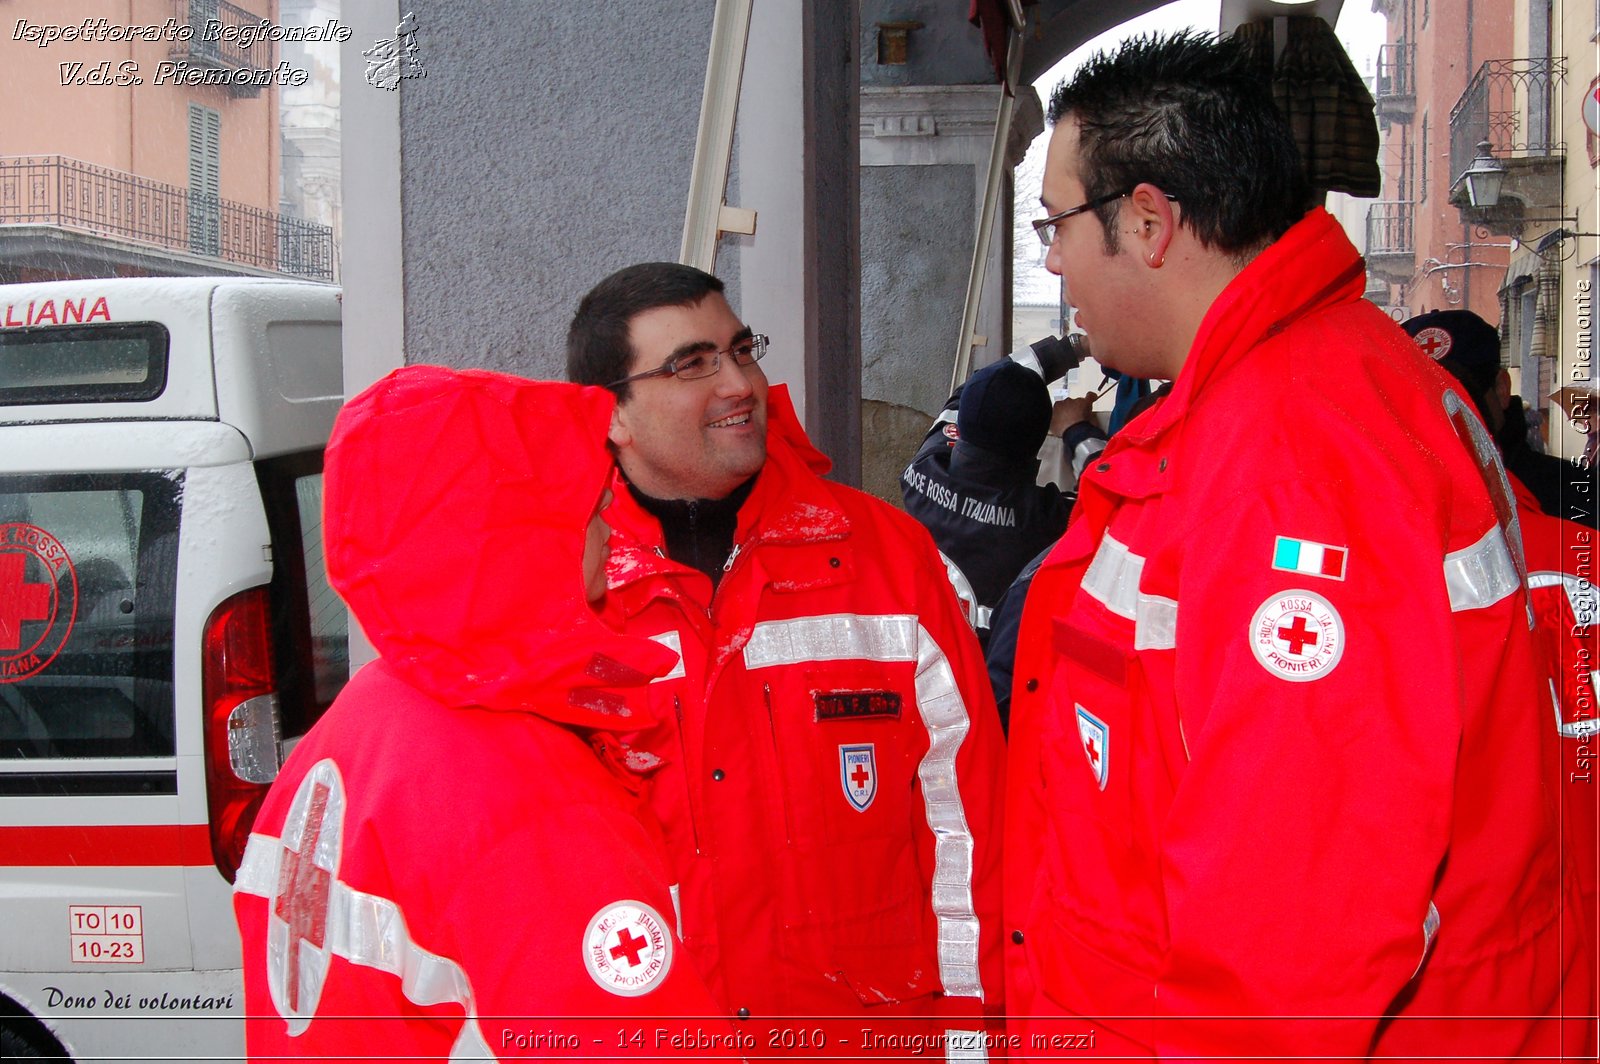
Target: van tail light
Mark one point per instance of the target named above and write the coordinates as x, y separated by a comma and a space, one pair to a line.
241, 721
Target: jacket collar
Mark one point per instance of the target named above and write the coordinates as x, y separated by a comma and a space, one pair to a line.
974, 464
789, 505
1310, 267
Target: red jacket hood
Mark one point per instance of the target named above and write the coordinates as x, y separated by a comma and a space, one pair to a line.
784, 424
456, 507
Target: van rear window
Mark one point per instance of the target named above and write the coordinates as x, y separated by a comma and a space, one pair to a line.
83, 364
87, 582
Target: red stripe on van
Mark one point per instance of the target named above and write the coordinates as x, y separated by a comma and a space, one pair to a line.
121, 845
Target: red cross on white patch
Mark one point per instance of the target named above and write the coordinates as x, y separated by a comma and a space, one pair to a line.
1096, 737
627, 948
1297, 635
858, 774
308, 866
1434, 341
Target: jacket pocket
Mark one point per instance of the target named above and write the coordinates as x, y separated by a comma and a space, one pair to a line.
1089, 737
851, 746
1091, 981
884, 950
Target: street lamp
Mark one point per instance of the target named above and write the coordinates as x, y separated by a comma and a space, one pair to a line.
1484, 178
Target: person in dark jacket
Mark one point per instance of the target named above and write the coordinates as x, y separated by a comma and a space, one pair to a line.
1469, 349
974, 481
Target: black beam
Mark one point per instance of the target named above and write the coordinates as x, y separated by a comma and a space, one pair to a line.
832, 242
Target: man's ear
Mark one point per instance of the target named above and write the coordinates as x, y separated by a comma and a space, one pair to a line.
1502, 388
619, 434
1154, 225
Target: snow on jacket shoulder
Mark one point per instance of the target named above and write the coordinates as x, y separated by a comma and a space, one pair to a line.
454, 861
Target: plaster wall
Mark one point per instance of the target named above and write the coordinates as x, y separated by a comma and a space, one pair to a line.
548, 146
913, 279
768, 174
918, 225
945, 50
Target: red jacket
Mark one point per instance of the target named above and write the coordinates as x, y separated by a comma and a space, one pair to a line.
1278, 719
1565, 604
454, 861
831, 796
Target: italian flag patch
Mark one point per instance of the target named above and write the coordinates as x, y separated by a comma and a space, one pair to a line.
1313, 559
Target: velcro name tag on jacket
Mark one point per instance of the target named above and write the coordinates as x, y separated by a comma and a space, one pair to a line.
1095, 653
856, 705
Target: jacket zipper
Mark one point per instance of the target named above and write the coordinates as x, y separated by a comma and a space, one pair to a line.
777, 758
683, 752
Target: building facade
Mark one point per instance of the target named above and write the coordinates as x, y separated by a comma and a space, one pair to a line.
142, 137
1491, 187
1421, 254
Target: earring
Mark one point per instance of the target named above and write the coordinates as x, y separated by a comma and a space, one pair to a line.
1156, 259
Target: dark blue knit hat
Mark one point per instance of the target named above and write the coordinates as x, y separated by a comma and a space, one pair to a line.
1005, 409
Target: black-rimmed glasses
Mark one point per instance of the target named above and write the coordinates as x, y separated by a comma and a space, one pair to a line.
698, 364
1046, 227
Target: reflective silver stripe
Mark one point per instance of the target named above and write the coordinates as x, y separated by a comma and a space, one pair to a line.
258, 869
1581, 594
1430, 931
834, 637
1585, 603
898, 637
1113, 578
1577, 729
1028, 358
946, 417
469, 1044
977, 616
1155, 625
1084, 453
371, 931
673, 642
1482, 574
964, 1045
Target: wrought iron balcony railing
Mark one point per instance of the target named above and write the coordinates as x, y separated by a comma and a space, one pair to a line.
221, 35
1391, 228
54, 190
1395, 90
1515, 105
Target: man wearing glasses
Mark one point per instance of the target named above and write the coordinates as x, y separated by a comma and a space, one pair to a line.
830, 761
1275, 778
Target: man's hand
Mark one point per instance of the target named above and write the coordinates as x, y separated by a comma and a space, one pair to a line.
1069, 412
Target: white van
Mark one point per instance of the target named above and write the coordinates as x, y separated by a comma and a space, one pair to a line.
166, 632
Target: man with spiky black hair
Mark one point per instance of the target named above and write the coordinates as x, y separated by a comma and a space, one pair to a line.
1275, 782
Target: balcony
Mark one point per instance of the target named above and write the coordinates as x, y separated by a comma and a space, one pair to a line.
223, 37
54, 191
1395, 90
1515, 106
1391, 240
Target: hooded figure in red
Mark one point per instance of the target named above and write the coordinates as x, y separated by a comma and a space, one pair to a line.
454, 862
